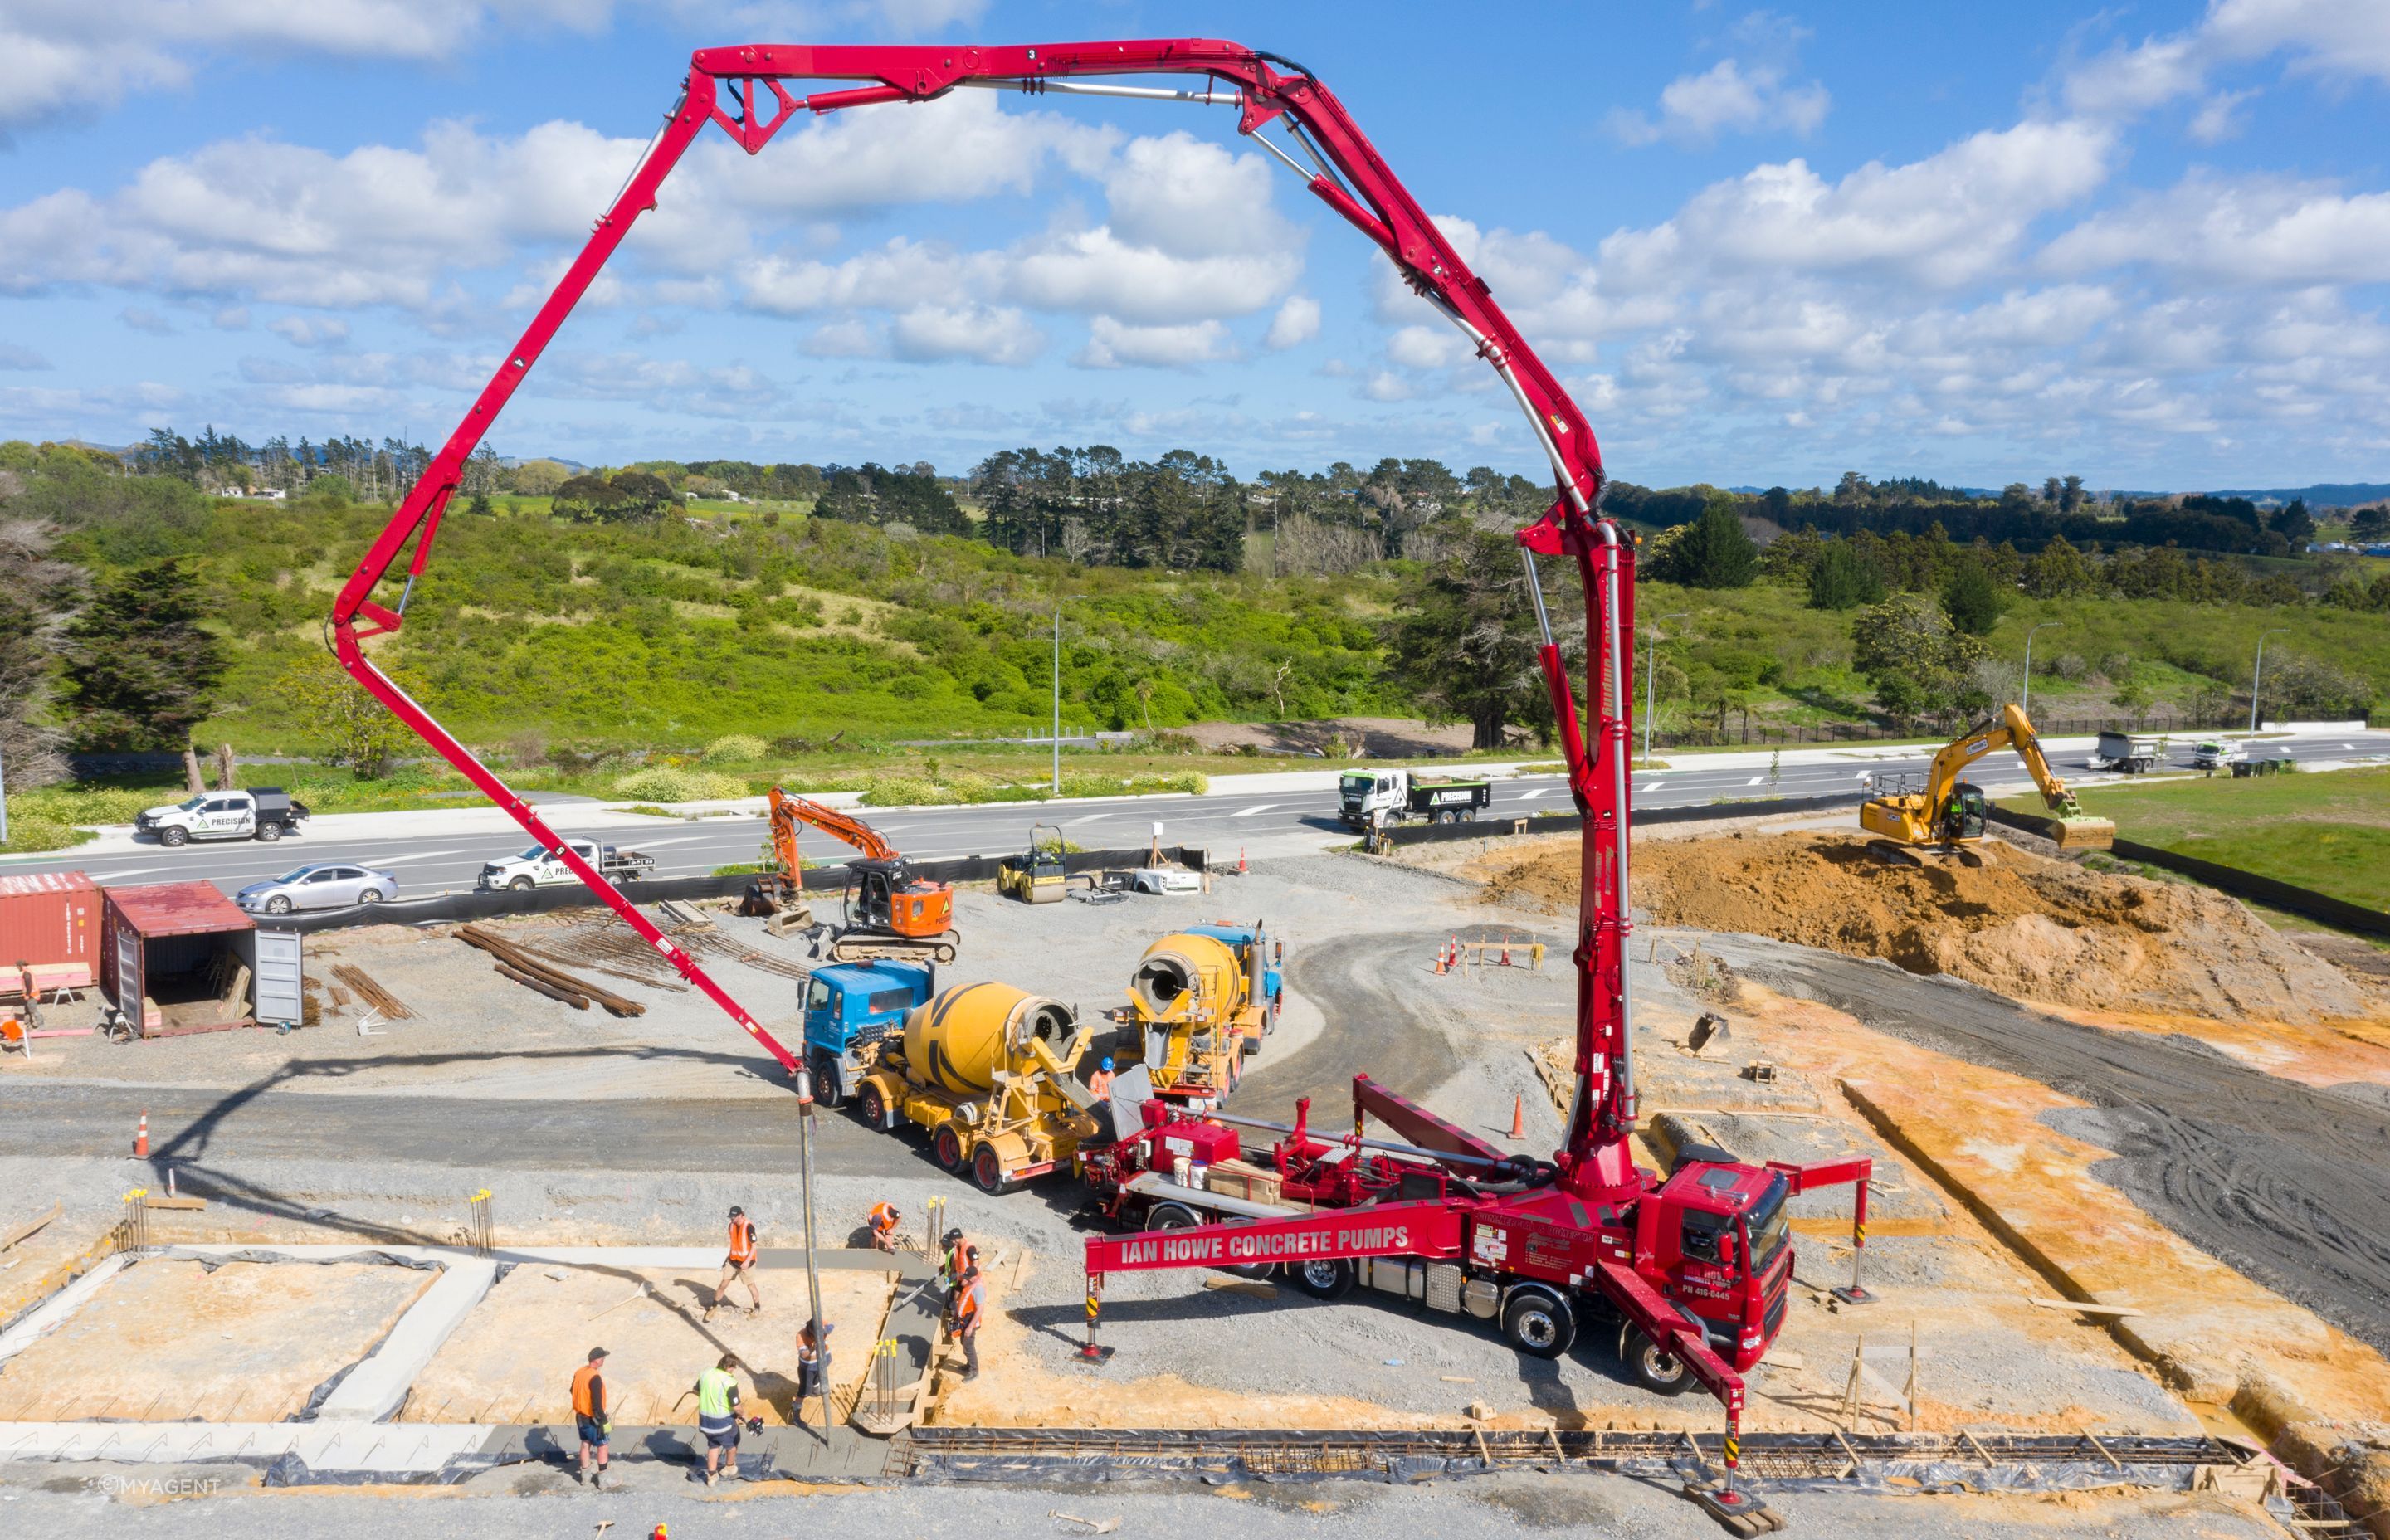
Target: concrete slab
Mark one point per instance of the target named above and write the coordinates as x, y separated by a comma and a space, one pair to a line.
164, 1340
376, 1388
512, 1359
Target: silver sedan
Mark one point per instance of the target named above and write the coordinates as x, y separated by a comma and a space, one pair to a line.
318, 885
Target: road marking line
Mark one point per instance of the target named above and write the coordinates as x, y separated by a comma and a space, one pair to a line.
1090, 818
396, 859
138, 871
651, 844
1248, 812
1756, 780
1648, 790
1531, 796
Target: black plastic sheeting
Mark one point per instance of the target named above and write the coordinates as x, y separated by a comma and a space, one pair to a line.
1756, 807
449, 908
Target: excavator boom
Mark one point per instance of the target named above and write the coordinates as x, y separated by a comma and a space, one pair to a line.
1926, 816
789, 810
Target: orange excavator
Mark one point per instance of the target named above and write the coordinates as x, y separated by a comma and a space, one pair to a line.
885, 911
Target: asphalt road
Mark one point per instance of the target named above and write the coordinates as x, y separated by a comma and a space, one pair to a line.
428, 865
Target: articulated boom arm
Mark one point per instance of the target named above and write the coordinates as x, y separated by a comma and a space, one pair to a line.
2012, 731
742, 90
830, 821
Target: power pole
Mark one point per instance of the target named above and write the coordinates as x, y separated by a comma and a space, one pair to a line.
1058, 702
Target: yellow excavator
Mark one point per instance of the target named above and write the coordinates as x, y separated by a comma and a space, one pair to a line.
1945, 815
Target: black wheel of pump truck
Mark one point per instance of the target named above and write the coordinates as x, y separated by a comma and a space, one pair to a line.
1538, 1325
947, 1147
1170, 1216
1655, 1368
1331, 1279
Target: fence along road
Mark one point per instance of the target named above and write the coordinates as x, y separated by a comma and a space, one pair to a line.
1261, 823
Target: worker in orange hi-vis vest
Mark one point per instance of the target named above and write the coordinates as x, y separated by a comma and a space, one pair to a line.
970, 1304
1099, 1084
883, 1226
593, 1416
739, 1266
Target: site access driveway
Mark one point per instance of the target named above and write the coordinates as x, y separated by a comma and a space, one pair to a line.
1258, 822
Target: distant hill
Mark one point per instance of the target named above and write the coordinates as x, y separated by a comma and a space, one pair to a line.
2323, 494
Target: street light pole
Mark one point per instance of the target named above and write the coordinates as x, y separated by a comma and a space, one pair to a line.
2258, 674
1651, 677
1058, 702
2024, 696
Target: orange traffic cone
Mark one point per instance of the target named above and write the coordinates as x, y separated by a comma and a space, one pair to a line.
1506, 951
1442, 963
1241, 868
1518, 1117
141, 1140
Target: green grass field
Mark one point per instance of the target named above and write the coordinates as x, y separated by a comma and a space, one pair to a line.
2328, 831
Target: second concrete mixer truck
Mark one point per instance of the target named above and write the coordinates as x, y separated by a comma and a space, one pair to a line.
987, 1070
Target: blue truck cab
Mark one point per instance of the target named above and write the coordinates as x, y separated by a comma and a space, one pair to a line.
849, 1010
1261, 957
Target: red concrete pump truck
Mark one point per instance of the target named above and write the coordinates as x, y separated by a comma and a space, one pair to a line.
1695, 1266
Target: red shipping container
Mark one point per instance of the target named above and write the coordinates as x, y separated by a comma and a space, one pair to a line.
50, 920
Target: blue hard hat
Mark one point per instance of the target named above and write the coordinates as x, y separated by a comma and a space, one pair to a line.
1108, 1063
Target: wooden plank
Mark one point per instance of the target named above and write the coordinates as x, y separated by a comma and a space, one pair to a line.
2083, 1307
193, 1204
30, 1227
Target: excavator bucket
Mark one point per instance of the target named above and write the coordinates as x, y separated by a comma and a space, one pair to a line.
2085, 834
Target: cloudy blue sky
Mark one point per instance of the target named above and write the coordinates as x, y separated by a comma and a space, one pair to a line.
2148, 244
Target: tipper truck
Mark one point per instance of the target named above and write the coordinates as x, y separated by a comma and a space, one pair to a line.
986, 1069
1402, 796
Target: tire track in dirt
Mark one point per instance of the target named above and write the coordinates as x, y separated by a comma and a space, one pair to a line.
2285, 1183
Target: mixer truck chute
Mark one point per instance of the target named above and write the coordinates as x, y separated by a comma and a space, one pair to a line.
986, 1071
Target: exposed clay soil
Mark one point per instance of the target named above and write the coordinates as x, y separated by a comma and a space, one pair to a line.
2021, 925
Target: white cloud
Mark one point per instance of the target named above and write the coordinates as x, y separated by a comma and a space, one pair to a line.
146, 320
1945, 220
304, 331
1297, 322
1112, 345
58, 56
1727, 97
1426, 347
979, 334
2219, 117
14, 357
848, 339
2344, 38
2245, 230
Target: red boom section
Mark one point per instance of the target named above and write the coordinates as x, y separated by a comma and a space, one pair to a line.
740, 89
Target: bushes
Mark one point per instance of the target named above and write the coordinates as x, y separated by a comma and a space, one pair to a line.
28, 832
950, 790
735, 749
667, 784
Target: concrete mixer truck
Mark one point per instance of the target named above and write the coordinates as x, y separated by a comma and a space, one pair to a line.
987, 1070
1199, 1003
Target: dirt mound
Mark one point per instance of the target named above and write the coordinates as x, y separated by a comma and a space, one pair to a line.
2026, 927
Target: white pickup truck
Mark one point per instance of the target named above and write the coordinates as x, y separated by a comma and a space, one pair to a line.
536, 868
261, 813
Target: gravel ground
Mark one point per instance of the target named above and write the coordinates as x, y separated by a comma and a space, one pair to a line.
77, 1504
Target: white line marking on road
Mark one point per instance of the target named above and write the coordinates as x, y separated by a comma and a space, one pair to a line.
1756, 780
657, 844
1531, 796
138, 871
1090, 818
1248, 812
1652, 787
402, 860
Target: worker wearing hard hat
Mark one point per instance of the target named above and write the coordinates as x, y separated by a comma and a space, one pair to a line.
883, 1226
739, 1266
971, 1303
1100, 1084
